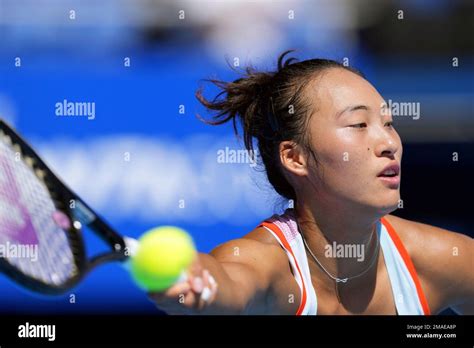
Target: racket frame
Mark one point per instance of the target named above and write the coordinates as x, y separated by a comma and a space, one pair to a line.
63, 196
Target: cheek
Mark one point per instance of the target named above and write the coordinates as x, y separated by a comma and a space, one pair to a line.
400, 144
344, 170
343, 154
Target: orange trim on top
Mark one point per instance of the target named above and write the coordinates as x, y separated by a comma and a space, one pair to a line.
287, 246
408, 262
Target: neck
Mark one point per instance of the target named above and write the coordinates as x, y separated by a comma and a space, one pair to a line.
344, 242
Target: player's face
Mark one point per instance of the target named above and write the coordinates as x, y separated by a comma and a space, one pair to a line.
354, 141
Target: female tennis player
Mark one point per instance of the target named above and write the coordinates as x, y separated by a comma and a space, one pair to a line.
327, 142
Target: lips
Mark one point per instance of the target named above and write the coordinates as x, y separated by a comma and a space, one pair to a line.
391, 170
390, 175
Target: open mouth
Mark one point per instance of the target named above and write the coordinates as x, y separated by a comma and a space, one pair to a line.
391, 175
390, 171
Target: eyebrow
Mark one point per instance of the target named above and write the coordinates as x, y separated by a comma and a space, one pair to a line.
353, 108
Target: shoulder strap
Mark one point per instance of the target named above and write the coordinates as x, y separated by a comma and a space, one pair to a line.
409, 264
281, 237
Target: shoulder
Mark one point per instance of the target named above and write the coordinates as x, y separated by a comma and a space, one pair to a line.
257, 248
443, 260
428, 244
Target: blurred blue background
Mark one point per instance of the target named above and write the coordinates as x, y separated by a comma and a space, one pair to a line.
146, 160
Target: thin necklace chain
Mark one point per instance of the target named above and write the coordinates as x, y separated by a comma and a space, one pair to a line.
343, 280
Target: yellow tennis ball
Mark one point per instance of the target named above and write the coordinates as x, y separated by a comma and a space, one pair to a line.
162, 255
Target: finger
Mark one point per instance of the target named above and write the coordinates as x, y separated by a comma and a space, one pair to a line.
210, 291
206, 292
214, 288
190, 300
197, 283
178, 289
203, 288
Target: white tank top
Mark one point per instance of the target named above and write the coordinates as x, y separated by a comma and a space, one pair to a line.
406, 288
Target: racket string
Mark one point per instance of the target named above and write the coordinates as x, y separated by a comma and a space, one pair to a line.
26, 210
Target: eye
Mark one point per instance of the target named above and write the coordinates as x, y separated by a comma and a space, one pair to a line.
389, 124
359, 125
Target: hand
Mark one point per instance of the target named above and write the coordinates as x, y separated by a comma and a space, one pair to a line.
191, 295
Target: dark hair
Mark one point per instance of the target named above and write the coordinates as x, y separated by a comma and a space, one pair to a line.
271, 107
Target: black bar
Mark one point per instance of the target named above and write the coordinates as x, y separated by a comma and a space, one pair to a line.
158, 330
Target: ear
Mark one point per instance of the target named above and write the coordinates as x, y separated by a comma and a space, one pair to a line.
293, 158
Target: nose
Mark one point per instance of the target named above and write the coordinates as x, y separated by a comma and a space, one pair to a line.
387, 144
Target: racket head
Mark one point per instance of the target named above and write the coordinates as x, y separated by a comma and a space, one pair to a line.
37, 210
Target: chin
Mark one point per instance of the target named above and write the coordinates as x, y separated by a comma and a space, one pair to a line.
388, 209
380, 208
385, 203
389, 205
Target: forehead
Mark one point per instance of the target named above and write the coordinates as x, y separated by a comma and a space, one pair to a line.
337, 88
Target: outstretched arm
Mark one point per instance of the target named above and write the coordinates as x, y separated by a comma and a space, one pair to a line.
242, 275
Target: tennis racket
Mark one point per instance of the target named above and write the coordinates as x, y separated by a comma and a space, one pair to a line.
37, 210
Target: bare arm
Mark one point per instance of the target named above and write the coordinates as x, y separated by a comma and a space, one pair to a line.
446, 261
246, 274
